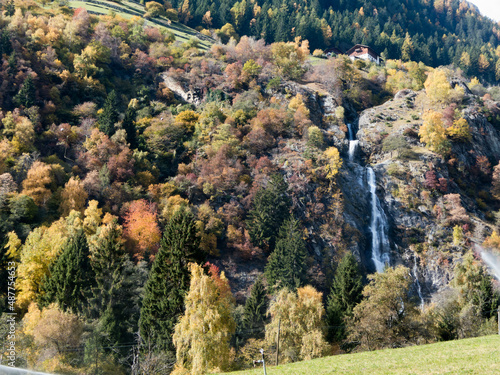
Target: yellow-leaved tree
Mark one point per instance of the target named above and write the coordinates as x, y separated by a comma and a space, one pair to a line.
40, 249
73, 197
460, 130
52, 332
433, 133
439, 90
299, 316
38, 181
332, 161
201, 337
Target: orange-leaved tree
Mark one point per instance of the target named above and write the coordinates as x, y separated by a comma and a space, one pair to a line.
141, 229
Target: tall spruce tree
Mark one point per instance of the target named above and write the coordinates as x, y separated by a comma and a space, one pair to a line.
287, 266
70, 278
168, 280
26, 95
5, 42
254, 313
270, 207
109, 114
128, 125
345, 294
116, 285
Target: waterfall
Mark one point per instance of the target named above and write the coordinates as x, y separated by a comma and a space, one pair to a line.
419, 288
353, 145
351, 131
353, 142
491, 260
378, 226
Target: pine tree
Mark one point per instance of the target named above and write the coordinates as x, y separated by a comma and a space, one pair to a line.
287, 264
345, 293
407, 49
70, 277
5, 42
26, 95
271, 206
128, 125
109, 115
254, 313
168, 280
114, 288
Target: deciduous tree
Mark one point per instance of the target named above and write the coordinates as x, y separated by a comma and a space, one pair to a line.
202, 335
73, 197
433, 133
36, 184
300, 317
387, 317
141, 229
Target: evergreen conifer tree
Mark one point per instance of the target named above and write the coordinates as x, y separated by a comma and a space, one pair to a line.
129, 126
271, 206
254, 313
168, 280
26, 95
345, 294
5, 42
287, 266
116, 285
70, 277
109, 115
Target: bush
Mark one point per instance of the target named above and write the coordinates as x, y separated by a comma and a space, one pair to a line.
318, 53
394, 142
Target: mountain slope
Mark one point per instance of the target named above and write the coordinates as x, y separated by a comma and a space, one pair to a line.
437, 33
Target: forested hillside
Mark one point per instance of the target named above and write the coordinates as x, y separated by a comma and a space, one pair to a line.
167, 208
437, 32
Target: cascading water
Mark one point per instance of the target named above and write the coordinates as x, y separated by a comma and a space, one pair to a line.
491, 260
353, 145
419, 288
378, 226
353, 142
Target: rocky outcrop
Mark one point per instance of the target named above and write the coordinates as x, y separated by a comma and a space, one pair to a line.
420, 231
181, 92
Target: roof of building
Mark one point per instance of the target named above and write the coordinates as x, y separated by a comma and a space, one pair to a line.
353, 50
334, 50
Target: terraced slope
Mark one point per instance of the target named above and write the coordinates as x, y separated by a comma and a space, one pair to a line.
129, 9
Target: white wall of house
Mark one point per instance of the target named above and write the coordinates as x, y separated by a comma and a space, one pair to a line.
368, 57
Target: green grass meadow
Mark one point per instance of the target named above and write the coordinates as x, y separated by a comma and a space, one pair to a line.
470, 356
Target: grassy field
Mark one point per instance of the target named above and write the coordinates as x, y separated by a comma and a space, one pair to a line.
471, 356
130, 9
